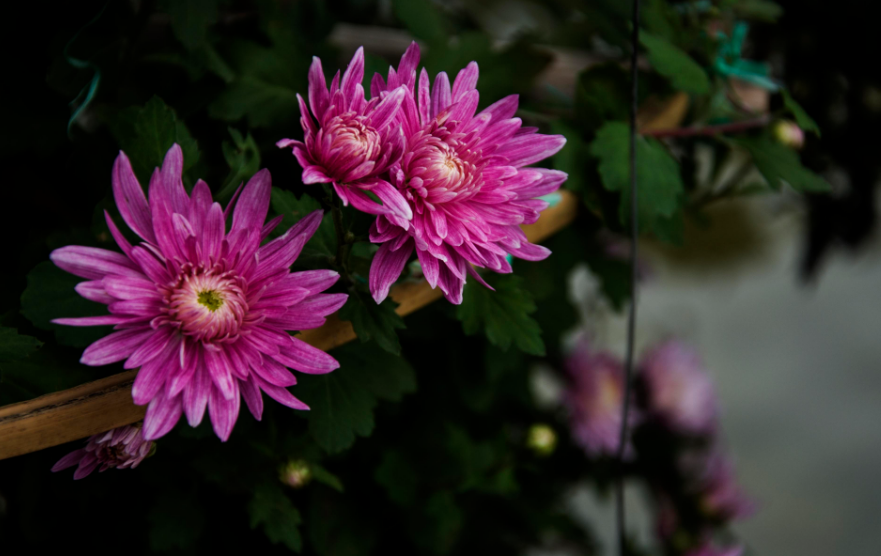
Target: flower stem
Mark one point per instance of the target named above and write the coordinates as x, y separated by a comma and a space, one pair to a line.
344, 239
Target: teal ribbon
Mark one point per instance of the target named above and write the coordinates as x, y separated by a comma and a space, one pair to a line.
729, 62
90, 90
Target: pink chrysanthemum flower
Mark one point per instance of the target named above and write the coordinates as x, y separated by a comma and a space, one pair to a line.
351, 142
679, 390
463, 176
201, 310
122, 447
594, 399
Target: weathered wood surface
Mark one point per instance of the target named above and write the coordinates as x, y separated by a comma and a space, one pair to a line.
104, 404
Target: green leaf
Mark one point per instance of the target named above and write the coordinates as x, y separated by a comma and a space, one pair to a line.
14, 346
801, 117
266, 84
342, 402
323, 243
395, 473
190, 20
372, 321
325, 477
146, 133
658, 177
175, 521
421, 17
243, 158
443, 523
271, 508
683, 72
503, 314
50, 295
779, 164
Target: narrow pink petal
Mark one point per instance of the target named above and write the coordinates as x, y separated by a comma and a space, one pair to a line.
429, 267
88, 464
386, 267
251, 209
93, 321
218, 367
269, 226
195, 396
465, 82
69, 460
451, 285
150, 348
318, 96
130, 199
117, 235
463, 110
191, 358
281, 395
115, 346
152, 374
424, 98
441, 96
315, 281
253, 399
213, 232
503, 109
224, 411
391, 198
527, 149
385, 112
162, 414
172, 178
305, 358
93, 290
531, 252
92, 262
122, 287
200, 203
306, 120
377, 85
353, 77
476, 275
156, 271
314, 174
274, 373
407, 67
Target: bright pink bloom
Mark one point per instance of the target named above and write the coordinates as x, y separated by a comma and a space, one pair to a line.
121, 447
594, 399
463, 177
202, 311
351, 142
679, 390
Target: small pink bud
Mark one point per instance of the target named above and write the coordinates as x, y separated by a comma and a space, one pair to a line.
789, 134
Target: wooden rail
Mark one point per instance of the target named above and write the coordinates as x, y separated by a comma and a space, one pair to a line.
105, 404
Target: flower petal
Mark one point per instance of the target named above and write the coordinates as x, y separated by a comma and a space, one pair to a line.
386, 267
130, 199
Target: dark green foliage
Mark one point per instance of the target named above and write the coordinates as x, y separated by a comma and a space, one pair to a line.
659, 182
802, 118
683, 72
15, 346
343, 401
322, 246
243, 157
373, 322
274, 511
176, 521
50, 294
146, 133
502, 315
779, 164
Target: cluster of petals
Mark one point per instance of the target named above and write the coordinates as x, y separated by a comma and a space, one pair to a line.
678, 389
351, 142
122, 447
201, 311
716, 486
463, 176
594, 399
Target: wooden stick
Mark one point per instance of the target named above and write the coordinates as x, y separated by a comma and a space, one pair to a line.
105, 404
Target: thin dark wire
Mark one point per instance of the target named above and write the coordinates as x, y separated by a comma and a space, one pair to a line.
631, 318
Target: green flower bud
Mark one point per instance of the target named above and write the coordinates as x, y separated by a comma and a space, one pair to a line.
541, 439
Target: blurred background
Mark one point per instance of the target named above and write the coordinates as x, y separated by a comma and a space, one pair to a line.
779, 291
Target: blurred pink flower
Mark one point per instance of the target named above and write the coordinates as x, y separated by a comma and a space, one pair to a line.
463, 177
594, 399
202, 312
121, 447
720, 494
351, 142
679, 391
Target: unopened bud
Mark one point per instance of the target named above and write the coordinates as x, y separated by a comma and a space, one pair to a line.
541, 439
296, 474
789, 134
